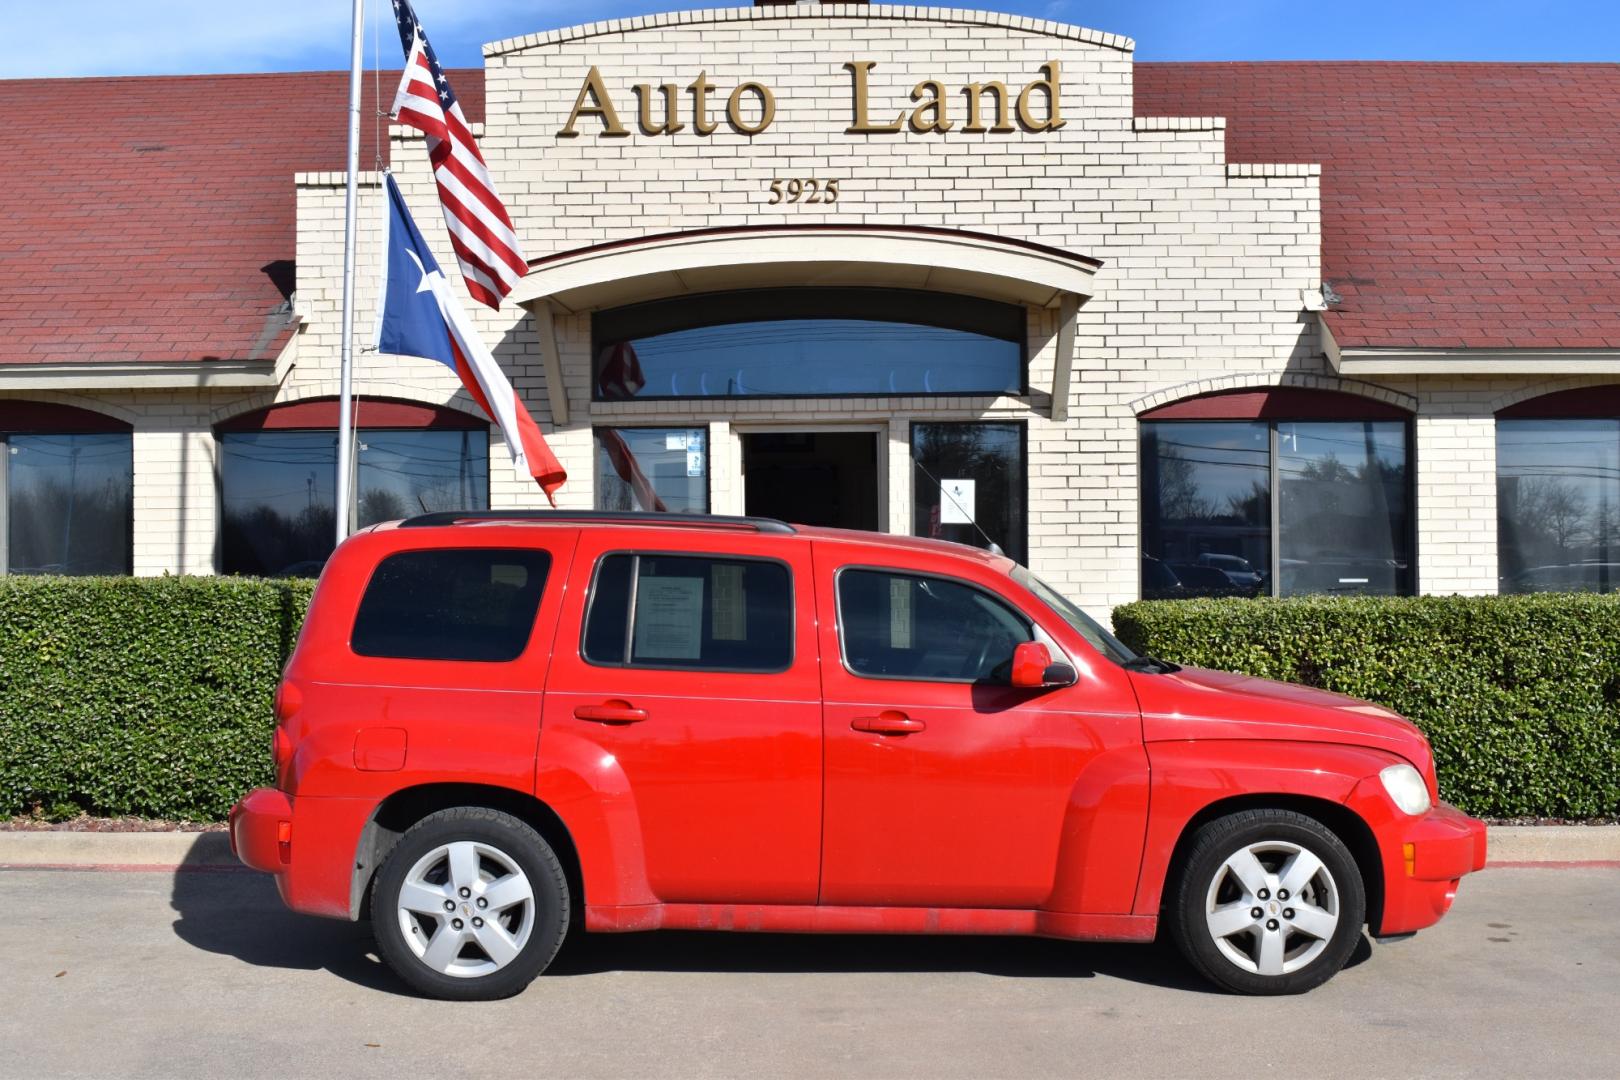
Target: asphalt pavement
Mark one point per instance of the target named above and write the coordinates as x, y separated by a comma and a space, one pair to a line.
202, 973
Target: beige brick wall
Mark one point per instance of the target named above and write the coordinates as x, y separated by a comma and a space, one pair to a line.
1206, 267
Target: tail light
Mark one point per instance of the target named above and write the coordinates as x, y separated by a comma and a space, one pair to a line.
281, 751
288, 700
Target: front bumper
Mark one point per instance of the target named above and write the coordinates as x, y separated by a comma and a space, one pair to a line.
1424, 859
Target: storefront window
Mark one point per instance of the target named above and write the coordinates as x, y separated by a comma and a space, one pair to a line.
1256, 505
655, 469
1558, 504
278, 486
969, 483
809, 343
1206, 508
66, 501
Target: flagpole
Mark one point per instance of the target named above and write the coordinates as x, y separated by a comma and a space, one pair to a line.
345, 494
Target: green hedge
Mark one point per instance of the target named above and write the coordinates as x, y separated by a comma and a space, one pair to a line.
145, 696
1520, 695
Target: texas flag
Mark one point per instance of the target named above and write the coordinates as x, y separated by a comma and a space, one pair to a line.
420, 316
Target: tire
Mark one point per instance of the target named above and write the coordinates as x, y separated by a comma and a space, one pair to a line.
1301, 879
509, 905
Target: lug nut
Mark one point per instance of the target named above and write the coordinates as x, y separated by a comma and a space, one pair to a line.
465, 892
457, 923
449, 905
1255, 913
478, 924
1271, 924
1282, 894
1264, 894
482, 902
1288, 913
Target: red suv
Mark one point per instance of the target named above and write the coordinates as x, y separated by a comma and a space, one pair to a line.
497, 726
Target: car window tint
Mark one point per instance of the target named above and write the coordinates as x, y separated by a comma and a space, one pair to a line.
697, 612
451, 604
904, 626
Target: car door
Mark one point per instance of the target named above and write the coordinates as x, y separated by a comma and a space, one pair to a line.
944, 786
691, 666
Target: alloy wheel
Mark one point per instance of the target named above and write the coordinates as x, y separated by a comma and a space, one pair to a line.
466, 909
1272, 907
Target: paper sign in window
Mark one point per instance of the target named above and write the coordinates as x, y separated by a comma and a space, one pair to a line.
899, 613
730, 618
669, 618
956, 505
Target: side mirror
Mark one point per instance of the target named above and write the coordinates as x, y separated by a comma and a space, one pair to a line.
1033, 669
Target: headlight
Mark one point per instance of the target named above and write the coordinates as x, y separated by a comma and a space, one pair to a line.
1405, 785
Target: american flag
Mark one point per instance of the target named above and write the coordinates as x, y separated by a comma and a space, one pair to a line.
480, 231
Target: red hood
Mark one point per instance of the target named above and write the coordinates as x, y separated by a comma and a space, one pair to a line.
1195, 703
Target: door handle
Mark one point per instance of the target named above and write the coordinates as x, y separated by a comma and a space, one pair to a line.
888, 722
611, 712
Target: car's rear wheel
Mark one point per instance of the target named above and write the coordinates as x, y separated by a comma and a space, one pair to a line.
1268, 902
470, 905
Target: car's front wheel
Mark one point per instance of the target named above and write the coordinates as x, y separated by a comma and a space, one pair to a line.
470, 905
1268, 902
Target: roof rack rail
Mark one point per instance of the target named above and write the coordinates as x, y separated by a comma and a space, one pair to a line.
628, 517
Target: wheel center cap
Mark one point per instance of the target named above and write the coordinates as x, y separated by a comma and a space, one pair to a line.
1272, 908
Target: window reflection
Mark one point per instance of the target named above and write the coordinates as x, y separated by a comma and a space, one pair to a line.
1343, 510
1342, 514
1206, 509
67, 503
278, 490
810, 342
1558, 505
652, 469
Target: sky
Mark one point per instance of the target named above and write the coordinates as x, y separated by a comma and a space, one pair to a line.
113, 37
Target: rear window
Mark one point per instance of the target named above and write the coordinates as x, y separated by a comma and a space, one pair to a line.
452, 604
697, 612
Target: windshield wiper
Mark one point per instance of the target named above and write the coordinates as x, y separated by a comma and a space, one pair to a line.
1152, 665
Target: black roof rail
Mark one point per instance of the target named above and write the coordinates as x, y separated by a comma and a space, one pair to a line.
625, 517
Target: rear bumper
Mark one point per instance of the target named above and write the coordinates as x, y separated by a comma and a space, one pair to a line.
1424, 858
261, 830
309, 844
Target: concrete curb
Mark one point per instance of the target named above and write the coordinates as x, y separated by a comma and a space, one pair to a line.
125, 850
1554, 843
1518, 845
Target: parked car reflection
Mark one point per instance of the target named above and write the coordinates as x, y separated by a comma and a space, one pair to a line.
1567, 577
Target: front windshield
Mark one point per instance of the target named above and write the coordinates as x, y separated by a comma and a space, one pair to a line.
1084, 625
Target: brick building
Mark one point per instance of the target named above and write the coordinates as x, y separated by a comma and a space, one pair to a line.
1158, 329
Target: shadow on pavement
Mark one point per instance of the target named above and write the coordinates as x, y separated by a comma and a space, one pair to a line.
225, 909
236, 912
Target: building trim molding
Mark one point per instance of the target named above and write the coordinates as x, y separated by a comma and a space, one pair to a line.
778, 12
763, 256
393, 390
1521, 394
1413, 361
1270, 380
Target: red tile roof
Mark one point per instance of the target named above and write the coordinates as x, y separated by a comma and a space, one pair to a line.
1463, 205
152, 219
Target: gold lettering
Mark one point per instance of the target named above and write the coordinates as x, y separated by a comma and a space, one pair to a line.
670, 124
862, 124
601, 105
699, 89
933, 104
1051, 70
767, 108
975, 93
